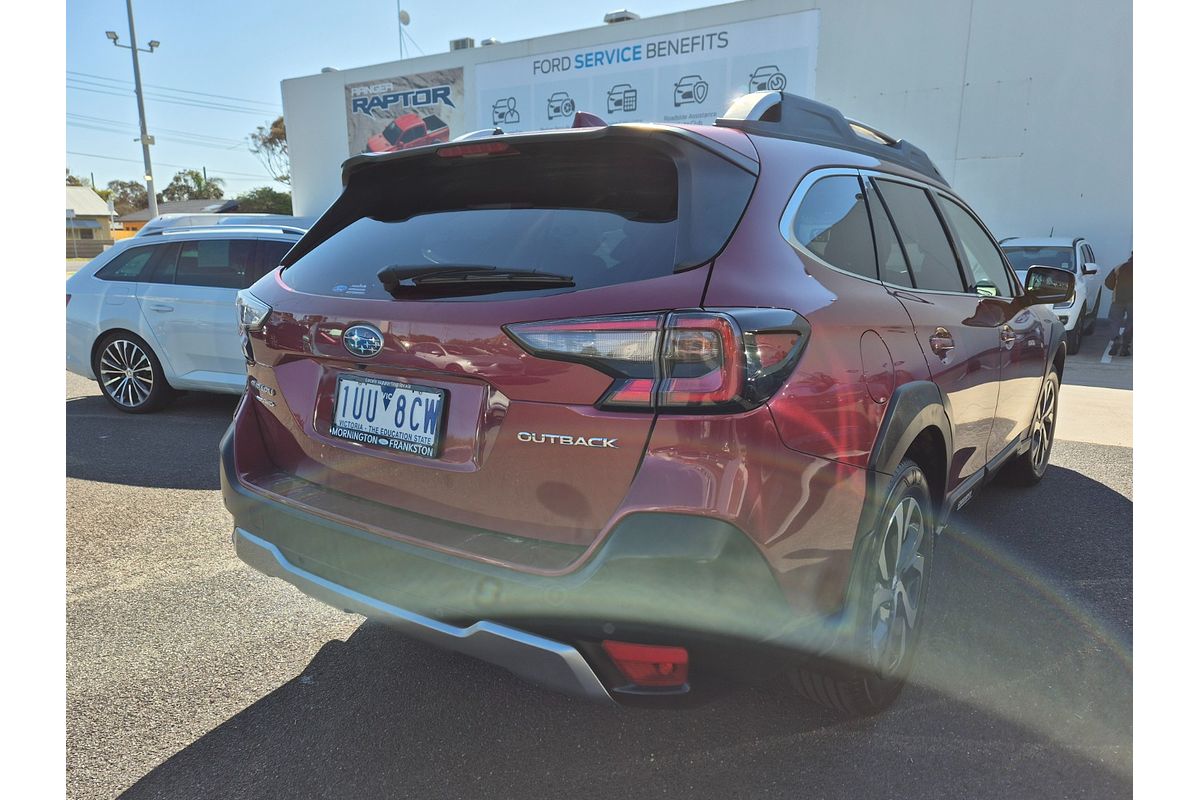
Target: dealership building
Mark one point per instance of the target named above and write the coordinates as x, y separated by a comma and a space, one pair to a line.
1024, 105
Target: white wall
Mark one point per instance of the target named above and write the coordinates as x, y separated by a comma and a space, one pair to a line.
1025, 105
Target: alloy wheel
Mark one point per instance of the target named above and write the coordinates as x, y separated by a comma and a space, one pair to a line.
1043, 425
126, 374
899, 571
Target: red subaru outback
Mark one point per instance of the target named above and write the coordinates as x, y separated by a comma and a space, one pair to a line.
622, 407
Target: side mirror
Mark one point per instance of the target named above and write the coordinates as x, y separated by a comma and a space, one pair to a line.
1048, 285
1090, 269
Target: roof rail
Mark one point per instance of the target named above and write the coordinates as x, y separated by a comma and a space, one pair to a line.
790, 116
194, 229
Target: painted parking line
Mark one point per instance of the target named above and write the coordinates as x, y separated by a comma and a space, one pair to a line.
1107, 357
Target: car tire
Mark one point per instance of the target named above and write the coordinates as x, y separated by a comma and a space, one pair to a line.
1028, 468
865, 676
1074, 337
129, 374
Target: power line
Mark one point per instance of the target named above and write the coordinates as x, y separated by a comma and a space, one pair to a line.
165, 137
172, 100
220, 140
165, 164
172, 89
411, 40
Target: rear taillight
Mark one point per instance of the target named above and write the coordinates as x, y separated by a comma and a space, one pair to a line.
695, 361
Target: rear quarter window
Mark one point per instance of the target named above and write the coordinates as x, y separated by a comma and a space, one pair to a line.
832, 222
128, 266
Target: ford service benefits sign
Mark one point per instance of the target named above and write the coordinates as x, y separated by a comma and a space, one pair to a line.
685, 77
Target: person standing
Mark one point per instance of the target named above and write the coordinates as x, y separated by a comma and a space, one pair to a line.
1120, 281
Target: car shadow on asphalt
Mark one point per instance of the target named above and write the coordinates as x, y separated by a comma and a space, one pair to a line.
1022, 689
175, 448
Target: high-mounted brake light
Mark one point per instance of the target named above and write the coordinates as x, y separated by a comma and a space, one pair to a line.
649, 665
477, 149
690, 361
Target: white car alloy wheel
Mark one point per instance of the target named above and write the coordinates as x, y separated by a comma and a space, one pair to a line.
129, 374
126, 374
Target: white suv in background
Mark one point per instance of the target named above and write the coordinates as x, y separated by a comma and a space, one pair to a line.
1070, 253
157, 314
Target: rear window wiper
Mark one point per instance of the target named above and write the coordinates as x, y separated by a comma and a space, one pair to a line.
399, 279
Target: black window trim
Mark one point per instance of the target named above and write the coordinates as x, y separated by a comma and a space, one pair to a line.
892, 176
866, 176
887, 212
945, 232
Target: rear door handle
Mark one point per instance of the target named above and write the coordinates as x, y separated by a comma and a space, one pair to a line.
1007, 337
161, 307
941, 343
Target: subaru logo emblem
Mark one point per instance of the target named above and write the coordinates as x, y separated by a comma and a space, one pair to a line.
363, 340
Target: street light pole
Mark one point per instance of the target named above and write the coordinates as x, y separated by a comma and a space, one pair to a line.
146, 139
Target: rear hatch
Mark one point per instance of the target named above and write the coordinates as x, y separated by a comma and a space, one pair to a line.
441, 251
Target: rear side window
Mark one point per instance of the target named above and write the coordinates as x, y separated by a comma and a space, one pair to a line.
270, 255
832, 222
220, 263
924, 239
985, 265
603, 211
128, 266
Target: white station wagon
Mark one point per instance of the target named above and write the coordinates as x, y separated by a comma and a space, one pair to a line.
156, 314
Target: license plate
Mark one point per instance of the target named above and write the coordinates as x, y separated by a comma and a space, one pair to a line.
397, 416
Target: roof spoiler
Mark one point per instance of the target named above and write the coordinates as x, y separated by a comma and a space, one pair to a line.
790, 116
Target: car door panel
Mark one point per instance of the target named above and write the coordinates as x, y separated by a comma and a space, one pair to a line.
193, 315
1022, 368
958, 332
960, 339
1020, 341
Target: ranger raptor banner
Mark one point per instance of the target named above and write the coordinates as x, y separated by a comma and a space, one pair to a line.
388, 114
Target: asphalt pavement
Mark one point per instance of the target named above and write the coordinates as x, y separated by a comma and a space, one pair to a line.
189, 675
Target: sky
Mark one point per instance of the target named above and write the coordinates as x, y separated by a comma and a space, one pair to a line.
216, 75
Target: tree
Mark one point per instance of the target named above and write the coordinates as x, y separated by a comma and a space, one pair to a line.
128, 196
265, 200
72, 180
271, 147
191, 184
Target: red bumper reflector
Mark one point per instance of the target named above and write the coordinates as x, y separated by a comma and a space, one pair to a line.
649, 665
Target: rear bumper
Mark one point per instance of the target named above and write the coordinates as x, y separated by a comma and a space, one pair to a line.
659, 578
540, 660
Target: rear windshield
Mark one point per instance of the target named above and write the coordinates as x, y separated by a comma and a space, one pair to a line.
1022, 258
603, 211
